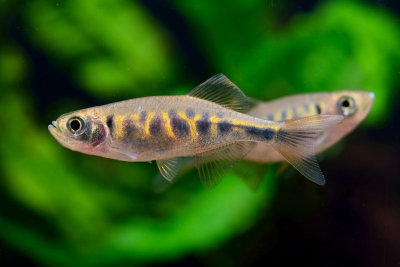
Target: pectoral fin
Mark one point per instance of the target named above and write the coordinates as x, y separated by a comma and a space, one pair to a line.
169, 168
160, 184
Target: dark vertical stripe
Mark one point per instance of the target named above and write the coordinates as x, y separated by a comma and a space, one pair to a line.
190, 113
203, 125
110, 123
318, 108
180, 127
129, 129
156, 125
270, 117
172, 113
283, 116
220, 114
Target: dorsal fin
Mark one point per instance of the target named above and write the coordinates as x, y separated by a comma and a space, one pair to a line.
220, 90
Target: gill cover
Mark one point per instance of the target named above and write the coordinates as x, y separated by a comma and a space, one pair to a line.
90, 131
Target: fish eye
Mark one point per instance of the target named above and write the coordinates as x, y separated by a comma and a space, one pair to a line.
76, 125
347, 105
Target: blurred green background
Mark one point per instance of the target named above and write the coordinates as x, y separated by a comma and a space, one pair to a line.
62, 208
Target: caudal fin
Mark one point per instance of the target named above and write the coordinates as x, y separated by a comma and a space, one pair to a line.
295, 141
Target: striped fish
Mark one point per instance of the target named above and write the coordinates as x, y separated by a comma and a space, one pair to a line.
354, 105
208, 123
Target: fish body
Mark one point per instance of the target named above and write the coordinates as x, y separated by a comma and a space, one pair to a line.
208, 123
354, 105
153, 128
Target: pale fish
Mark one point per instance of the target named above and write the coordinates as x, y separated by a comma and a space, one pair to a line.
354, 105
208, 123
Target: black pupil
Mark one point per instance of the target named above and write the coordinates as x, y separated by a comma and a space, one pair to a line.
75, 125
346, 103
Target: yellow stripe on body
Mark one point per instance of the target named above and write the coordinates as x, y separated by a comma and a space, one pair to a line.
300, 111
289, 114
150, 115
214, 121
312, 110
191, 122
167, 121
118, 131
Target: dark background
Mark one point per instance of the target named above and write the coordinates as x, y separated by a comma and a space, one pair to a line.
266, 48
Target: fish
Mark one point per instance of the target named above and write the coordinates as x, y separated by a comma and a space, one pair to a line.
208, 123
354, 105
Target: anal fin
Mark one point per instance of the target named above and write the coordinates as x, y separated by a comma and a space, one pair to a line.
213, 165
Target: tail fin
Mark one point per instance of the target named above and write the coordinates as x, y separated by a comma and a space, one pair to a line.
295, 141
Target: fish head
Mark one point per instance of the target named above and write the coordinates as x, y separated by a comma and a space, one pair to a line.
81, 131
354, 105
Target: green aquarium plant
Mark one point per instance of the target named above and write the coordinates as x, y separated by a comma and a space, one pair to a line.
63, 208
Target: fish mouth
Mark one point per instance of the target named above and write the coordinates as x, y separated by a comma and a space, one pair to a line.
58, 134
52, 126
371, 95
55, 132
369, 99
